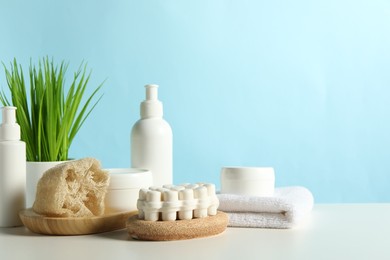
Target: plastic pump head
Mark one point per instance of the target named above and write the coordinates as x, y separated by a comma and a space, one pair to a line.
151, 107
9, 129
151, 92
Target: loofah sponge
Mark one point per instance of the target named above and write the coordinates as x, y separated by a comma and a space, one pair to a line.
72, 189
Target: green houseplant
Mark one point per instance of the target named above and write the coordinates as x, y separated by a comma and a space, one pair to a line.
49, 112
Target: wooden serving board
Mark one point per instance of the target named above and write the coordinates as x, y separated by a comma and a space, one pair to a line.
74, 226
177, 230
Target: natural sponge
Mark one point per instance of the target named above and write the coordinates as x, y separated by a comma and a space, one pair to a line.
72, 189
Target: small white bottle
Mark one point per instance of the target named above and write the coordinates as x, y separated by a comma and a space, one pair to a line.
12, 169
151, 140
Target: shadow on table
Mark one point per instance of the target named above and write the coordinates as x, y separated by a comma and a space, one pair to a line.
18, 231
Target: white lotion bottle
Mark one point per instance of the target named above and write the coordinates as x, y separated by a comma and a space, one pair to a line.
12, 169
151, 140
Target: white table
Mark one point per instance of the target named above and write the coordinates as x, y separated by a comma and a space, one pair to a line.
332, 231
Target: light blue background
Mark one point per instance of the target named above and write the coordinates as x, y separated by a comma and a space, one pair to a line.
303, 86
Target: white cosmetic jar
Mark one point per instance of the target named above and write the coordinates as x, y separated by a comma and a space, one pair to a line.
251, 181
123, 190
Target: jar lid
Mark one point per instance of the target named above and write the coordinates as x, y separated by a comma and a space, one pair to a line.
248, 173
129, 178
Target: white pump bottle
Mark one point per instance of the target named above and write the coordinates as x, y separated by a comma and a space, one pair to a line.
12, 169
151, 140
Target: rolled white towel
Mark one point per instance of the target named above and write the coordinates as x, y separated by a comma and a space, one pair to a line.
285, 209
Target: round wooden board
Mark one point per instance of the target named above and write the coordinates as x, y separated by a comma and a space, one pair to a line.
74, 226
177, 230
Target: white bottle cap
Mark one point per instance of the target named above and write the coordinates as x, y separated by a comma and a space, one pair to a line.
9, 129
151, 107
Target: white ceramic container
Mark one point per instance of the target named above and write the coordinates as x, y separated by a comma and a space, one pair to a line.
34, 171
123, 190
251, 181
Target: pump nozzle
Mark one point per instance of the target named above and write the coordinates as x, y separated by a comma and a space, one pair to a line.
151, 92
151, 107
9, 129
9, 115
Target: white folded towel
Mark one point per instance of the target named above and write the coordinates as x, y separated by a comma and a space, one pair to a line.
283, 210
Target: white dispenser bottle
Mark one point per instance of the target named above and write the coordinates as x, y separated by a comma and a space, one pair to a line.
151, 140
12, 170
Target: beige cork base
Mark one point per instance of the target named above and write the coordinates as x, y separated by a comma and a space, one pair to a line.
176, 230
74, 226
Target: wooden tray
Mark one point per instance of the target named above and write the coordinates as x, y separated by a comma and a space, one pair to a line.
74, 226
177, 230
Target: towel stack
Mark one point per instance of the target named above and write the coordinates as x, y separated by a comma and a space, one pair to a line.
285, 209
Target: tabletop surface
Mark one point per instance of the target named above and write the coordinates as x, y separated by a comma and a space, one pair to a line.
331, 231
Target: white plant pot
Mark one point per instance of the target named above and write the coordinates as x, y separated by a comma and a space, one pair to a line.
34, 171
